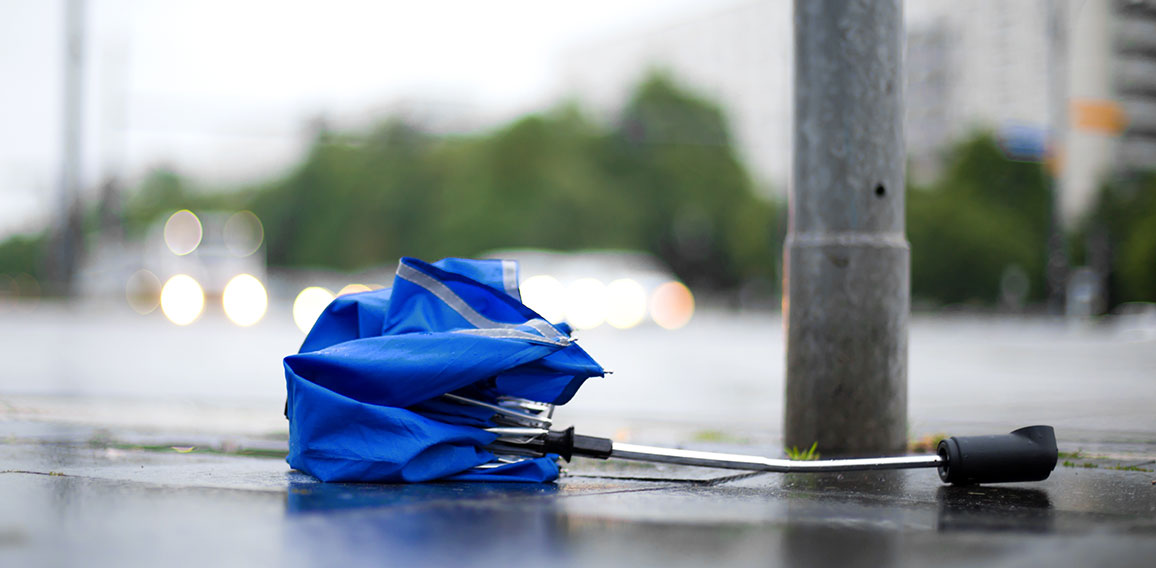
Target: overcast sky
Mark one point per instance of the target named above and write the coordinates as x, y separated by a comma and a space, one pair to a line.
223, 89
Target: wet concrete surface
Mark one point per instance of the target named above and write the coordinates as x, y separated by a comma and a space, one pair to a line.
127, 441
725, 369
78, 496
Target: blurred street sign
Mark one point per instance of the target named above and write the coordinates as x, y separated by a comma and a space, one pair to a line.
1023, 142
1100, 116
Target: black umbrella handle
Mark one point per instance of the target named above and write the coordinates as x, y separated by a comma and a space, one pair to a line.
1027, 454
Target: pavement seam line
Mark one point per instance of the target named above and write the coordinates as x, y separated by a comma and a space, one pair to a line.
27, 472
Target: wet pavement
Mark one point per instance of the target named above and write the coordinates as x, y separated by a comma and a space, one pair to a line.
82, 496
123, 442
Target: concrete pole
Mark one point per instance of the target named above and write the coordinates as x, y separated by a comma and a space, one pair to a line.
847, 282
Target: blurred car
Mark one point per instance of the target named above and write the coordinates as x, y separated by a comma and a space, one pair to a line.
1135, 321
587, 289
196, 260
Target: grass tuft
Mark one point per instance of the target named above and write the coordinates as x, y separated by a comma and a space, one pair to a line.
927, 444
804, 455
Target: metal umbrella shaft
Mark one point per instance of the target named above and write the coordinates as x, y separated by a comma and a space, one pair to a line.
757, 463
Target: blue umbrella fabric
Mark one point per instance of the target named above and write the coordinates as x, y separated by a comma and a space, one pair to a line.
365, 391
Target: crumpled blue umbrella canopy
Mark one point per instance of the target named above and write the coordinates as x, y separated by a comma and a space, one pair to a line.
365, 392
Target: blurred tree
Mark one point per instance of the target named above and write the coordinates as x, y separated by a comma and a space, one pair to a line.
535, 183
1137, 260
663, 178
162, 192
666, 180
23, 254
351, 203
1124, 217
691, 198
985, 216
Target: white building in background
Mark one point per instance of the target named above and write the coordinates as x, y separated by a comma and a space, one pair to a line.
740, 56
981, 64
1133, 80
1103, 119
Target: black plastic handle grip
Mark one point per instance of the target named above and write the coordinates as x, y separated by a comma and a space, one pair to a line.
1027, 454
567, 444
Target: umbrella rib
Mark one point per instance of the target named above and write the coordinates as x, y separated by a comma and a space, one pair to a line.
498, 409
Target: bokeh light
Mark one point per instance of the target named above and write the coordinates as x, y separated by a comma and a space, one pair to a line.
625, 303
143, 291
586, 303
243, 233
245, 300
182, 299
353, 289
672, 305
309, 305
546, 295
183, 232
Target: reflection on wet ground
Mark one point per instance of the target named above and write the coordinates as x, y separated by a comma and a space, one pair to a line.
71, 501
312, 497
994, 509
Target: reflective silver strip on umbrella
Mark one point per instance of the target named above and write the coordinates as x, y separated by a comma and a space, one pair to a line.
484, 325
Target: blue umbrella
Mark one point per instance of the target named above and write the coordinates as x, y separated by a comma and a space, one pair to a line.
415, 382
447, 375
